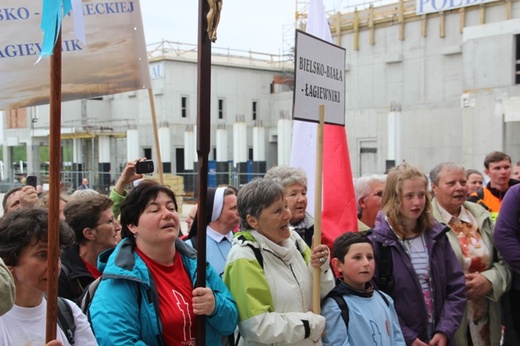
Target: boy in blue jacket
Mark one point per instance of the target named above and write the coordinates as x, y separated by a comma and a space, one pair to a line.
355, 312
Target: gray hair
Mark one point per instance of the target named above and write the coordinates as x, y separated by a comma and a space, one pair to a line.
287, 175
434, 173
82, 194
257, 195
362, 186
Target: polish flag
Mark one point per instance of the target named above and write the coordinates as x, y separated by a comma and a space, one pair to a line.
339, 213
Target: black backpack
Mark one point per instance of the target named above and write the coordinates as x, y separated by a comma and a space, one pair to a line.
86, 297
386, 269
66, 320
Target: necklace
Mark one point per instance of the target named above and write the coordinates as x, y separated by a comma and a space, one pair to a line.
224, 242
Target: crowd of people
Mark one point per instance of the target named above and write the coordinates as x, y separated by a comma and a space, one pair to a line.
436, 261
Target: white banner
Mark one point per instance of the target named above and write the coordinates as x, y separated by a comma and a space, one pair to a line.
319, 79
113, 61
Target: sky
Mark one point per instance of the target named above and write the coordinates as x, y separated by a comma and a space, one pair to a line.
258, 26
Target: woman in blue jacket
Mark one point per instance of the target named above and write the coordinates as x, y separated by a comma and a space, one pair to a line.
147, 295
428, 287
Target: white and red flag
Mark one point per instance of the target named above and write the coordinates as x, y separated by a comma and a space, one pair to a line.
339, 213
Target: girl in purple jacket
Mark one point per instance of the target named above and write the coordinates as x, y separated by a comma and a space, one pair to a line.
427, 282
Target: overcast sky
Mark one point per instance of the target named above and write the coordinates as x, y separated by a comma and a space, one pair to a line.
244, 25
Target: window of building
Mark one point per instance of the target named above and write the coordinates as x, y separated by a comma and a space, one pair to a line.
254, 109
517, 61
147, 153
221, 108
184, 107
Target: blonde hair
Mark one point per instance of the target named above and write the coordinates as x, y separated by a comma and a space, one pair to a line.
393, 197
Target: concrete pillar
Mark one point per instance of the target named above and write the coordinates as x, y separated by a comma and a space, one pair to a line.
394, 136
77, 151
164, 143
132, 144
239, 140
222, 143
190, 148
77, 162
284, 141
103, 183
259, 143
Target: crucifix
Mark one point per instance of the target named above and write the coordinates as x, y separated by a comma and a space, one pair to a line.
209, 17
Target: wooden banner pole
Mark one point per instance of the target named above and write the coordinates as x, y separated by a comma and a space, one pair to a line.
53, 244
156, 138
316, 308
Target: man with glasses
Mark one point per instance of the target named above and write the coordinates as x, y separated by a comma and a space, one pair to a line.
92, 220
369, 190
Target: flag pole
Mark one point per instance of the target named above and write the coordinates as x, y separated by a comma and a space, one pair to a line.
316, 308
53, 247
156, 138
203, 146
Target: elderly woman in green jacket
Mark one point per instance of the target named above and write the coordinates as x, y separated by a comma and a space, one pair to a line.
270, 271
471, 237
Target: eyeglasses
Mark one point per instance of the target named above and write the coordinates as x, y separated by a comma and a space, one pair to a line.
377, 194
111, 221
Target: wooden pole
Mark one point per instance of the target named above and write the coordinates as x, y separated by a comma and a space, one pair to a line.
203, 146
316, 308
156, 138
53, 245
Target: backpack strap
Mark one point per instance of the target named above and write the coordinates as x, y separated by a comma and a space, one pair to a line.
344, 309
384, 298
258, 254
386, 277
66, 320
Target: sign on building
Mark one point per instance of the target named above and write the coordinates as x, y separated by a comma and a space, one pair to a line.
319, 79
431, 6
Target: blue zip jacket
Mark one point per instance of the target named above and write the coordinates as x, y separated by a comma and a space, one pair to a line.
124, 310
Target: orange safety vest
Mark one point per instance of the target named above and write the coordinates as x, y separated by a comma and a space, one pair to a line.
489, 201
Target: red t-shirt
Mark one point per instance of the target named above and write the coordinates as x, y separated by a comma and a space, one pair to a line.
175, 300
91, 269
